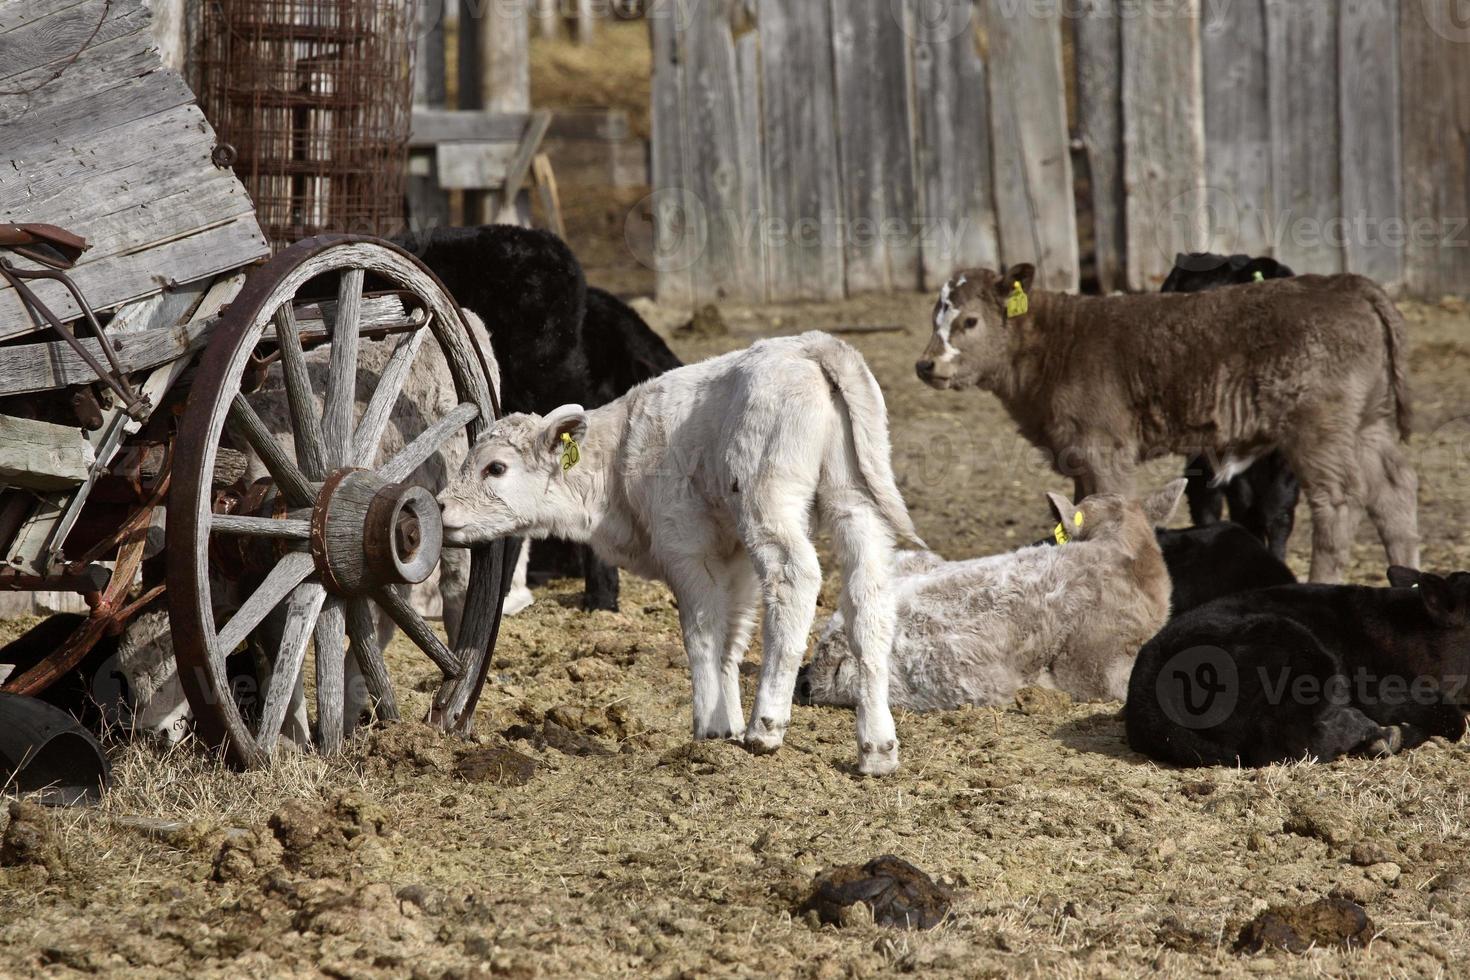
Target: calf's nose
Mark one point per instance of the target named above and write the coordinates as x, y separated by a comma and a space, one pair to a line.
925, 370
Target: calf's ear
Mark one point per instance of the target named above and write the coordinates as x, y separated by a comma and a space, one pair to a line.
1062, 509
1435, 593
1159, 506
569, 420
1403, 578
1025, 274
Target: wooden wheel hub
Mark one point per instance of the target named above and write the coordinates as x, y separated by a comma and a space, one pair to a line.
367, 532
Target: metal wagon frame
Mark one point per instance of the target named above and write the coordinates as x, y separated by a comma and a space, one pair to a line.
131, 377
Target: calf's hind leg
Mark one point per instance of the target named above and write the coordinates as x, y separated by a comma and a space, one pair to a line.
704, 618
1391, 491
1330, 477
790, 578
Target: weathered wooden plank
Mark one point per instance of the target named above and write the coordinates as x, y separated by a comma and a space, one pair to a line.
1305, 157
36, 49
13, 14
751, 145
1372, 175
428, 203
1237, 128
170, 31
952, 131
48, 366
1030, 141
138, 274
157, 312
1436, 128
1099, 67
803, 188
718, 177
871, 68
42, 456
473, 166
676, 218
433, 126
1163, 133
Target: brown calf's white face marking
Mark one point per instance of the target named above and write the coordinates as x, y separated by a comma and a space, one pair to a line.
966, 316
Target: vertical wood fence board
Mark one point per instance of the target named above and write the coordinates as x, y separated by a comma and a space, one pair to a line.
1305, 159
870, 63
1436, 130
1372, 177
1237, 127
1099, 67
803, 193
952, 146
726, 267
673, 242
1163, 132
1030, 144
428, 203
751, 143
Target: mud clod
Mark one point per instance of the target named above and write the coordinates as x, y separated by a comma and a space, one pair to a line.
890, 891
1043, 702
28, 840
1297, 928
495, 765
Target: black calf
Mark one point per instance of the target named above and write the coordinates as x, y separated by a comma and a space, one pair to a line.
557, 341
1207, 563
1263, 498
1305, 670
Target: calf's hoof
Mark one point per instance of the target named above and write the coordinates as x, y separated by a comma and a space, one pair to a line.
1390, 742
878, 760
517, 600
764, 736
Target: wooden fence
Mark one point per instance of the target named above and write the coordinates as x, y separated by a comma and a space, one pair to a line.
808, 149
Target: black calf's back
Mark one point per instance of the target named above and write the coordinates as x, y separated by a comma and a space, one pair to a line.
1207, 563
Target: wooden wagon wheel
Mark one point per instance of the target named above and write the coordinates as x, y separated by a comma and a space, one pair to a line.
340, 538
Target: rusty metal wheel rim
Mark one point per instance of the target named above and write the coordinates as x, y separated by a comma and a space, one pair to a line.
316, 604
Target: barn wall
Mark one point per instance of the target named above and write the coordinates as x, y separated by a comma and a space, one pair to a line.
809, 149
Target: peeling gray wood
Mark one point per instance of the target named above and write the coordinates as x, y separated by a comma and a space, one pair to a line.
751, 153
1163, 136
952, 155
46, 367
1305, 134
1030, 145
674, 216
803, 186
42, 456
1099, 63
1237, 127
1372, 173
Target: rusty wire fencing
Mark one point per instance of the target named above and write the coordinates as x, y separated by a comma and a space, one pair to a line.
311, 101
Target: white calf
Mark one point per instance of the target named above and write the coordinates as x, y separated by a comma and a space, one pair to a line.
710, 477
975, 632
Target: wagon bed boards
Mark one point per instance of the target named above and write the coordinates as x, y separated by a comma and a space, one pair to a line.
111, 146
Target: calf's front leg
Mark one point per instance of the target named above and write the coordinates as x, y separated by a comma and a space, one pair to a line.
704, 618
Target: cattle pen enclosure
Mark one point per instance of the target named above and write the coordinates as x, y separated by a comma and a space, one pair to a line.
791, 161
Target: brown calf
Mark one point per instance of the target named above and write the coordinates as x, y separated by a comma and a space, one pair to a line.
1313, 366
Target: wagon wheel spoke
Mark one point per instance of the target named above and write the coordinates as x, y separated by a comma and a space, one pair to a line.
476, 630
362, 638
302, 610
413, 625
289, 572
412, 456
284, 528
342, 369
305, 421
380, 407
247, 425
331, 674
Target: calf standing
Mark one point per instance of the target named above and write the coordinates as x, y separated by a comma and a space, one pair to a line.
1312, 365
1306, 671
709, 478
1262, 499
976, 632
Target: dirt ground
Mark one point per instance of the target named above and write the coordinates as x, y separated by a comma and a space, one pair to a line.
583, 833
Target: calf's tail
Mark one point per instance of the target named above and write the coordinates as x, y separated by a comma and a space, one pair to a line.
868, 418
1393, 330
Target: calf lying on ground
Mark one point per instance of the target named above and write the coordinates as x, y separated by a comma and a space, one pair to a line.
1306, 671
1206, 563
557, 341
1313, 365
709, 477
1263, 498
976, 632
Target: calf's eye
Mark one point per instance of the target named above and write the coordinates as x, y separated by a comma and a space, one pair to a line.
971, 321
496, 468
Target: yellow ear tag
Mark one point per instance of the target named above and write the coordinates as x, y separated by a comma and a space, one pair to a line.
570, 454
1260, 276
1077, 518
1017, 304
1061, 535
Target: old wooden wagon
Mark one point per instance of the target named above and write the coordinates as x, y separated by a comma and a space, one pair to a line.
147, 343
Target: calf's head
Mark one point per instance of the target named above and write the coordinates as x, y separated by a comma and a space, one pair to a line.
514, 481
1446, 602
972, 329
1113, 517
